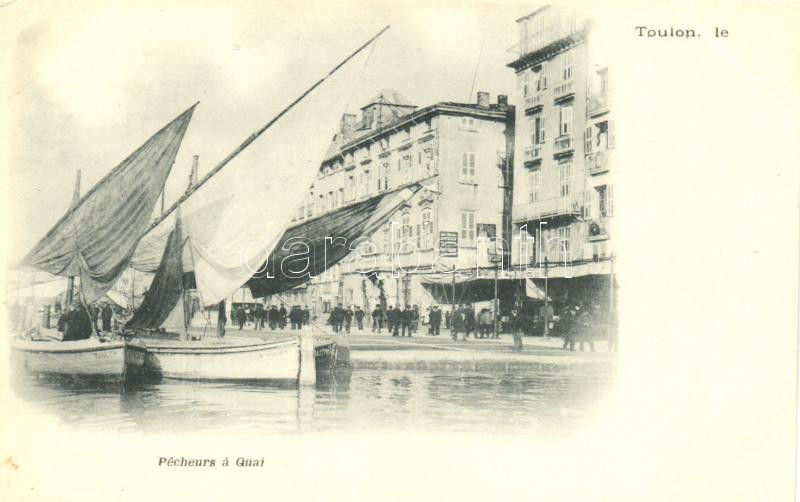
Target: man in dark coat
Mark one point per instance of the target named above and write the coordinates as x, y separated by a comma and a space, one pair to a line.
78, 325
395, 318
306, 316
359, 318
241, 316
435, 320
469, 320
348, 318
377, 319
106, 313
282, 316
273, 317
406, 318
515, 325
296, 317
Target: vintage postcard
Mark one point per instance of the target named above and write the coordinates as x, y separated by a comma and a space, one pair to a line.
351, 250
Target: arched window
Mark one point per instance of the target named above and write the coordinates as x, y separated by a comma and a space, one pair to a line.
427, 220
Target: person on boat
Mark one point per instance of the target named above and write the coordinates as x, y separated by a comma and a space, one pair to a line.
348, 318
106, 314
359, 318
414, 319
78, 325
377, 319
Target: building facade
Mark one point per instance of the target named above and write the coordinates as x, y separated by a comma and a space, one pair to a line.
462, 153
563, 191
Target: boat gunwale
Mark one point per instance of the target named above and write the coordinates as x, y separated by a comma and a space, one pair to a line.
67, 350
213, 350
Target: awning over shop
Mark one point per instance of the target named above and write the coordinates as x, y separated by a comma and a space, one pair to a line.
308, 249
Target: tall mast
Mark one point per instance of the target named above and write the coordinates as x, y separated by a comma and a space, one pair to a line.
259, 132
76, 197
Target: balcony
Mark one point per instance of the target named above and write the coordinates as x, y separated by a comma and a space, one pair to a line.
563, 146
534, 153
533, 103
597, 104
571, 205
597, 162
564, 90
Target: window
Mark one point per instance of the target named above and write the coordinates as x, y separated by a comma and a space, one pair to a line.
468, 226
538, 129
320, 204
565, 120
564, 244
566, 65
383, 177
468, 124
427, 220
406, 168
366, 181
602, 200
541, 83
534, 180
564, 171
467, 168
406, 225
331, 201
610, 200
407, 134
351, 188
340, 198
427, 160
610, 134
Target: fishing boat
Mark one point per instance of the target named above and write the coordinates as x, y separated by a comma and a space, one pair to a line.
202, 258
95, 241
83, 358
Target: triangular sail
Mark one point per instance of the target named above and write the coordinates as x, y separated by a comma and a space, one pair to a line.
166, 291
97, 237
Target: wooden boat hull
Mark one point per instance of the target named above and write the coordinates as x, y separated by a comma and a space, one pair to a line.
228, 360
85, 358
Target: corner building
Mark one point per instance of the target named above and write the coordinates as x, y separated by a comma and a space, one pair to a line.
463, 155
563, 188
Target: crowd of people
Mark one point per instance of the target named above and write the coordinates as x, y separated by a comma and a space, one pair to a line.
275, 317
579, 323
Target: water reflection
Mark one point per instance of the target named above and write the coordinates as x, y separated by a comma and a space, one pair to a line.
350, 400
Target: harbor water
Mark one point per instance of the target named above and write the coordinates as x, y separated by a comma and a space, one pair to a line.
434, 400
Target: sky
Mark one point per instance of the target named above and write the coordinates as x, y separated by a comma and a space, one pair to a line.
91, 81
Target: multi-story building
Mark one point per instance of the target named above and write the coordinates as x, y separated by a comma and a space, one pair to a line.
563, 191
461, 152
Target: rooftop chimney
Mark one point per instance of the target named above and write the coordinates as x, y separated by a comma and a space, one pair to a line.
483, 99
502, 99
347, 126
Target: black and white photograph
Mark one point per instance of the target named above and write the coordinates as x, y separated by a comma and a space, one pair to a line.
277, 246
